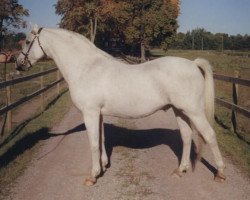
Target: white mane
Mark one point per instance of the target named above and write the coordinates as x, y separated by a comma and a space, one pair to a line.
83, 38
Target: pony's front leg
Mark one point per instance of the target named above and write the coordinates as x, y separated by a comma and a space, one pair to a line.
104, 157
92, 123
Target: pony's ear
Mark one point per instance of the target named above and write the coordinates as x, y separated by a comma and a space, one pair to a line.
29, 25
35, 29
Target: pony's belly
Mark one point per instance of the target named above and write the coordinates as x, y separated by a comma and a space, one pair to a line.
132, 111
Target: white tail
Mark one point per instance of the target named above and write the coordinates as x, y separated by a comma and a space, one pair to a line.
209, 88
206, 68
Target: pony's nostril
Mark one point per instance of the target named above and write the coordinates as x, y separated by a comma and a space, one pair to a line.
19, 68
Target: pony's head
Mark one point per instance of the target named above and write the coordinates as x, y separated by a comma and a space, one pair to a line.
32, 50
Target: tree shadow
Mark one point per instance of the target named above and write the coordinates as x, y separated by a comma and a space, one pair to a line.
30, 140
26, 143
21, 126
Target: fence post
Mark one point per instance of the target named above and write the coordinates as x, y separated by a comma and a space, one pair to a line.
8, 99
42, 86
235, 101
58, 84
9, 113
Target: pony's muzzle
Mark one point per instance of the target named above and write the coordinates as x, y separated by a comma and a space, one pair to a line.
20, 68
20, 65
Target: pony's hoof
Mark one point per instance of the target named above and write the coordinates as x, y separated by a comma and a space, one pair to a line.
90, 181
177, 173
219, 177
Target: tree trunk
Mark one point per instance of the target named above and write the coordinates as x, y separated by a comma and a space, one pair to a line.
143, 57
93, 28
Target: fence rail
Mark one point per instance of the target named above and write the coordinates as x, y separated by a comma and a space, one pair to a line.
11, 105
233, 106
26, 78
236, 80
28, 97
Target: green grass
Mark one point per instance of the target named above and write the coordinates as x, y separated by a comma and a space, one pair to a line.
16, 154
234, 149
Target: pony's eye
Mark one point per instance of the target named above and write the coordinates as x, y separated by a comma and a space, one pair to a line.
27, 42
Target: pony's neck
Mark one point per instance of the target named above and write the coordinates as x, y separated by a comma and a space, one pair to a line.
72, 53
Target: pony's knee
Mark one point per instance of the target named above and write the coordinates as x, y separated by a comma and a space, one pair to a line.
210, 137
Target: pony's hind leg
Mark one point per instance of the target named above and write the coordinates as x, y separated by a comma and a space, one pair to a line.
202, 125
186, 135
92, 120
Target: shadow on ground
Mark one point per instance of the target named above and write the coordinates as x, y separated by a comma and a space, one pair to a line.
114, 136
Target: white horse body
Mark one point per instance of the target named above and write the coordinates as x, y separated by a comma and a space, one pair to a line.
101, 85
149, 86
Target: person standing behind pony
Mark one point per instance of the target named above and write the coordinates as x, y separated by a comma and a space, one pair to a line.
5, 57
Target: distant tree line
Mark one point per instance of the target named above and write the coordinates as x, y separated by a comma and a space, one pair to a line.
200, 39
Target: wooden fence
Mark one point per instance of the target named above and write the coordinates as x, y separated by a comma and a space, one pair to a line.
9, 83
233, 106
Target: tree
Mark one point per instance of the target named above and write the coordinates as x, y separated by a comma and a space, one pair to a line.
81, 16
151, 23
11, 13
89, 17
145, 23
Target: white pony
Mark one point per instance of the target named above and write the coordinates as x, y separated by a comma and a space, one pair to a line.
101, 85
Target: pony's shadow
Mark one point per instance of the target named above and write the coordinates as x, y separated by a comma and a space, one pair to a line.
139, 139
148, 138
114, 136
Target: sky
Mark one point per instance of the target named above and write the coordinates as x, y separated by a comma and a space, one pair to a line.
216, 16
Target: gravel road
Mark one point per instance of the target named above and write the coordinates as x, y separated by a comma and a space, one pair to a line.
143, 153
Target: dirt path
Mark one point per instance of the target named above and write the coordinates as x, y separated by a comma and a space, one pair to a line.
142, 160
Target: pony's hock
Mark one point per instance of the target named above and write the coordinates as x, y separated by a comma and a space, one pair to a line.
100, 85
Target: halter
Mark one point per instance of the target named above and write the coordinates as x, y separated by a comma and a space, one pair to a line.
26, 59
